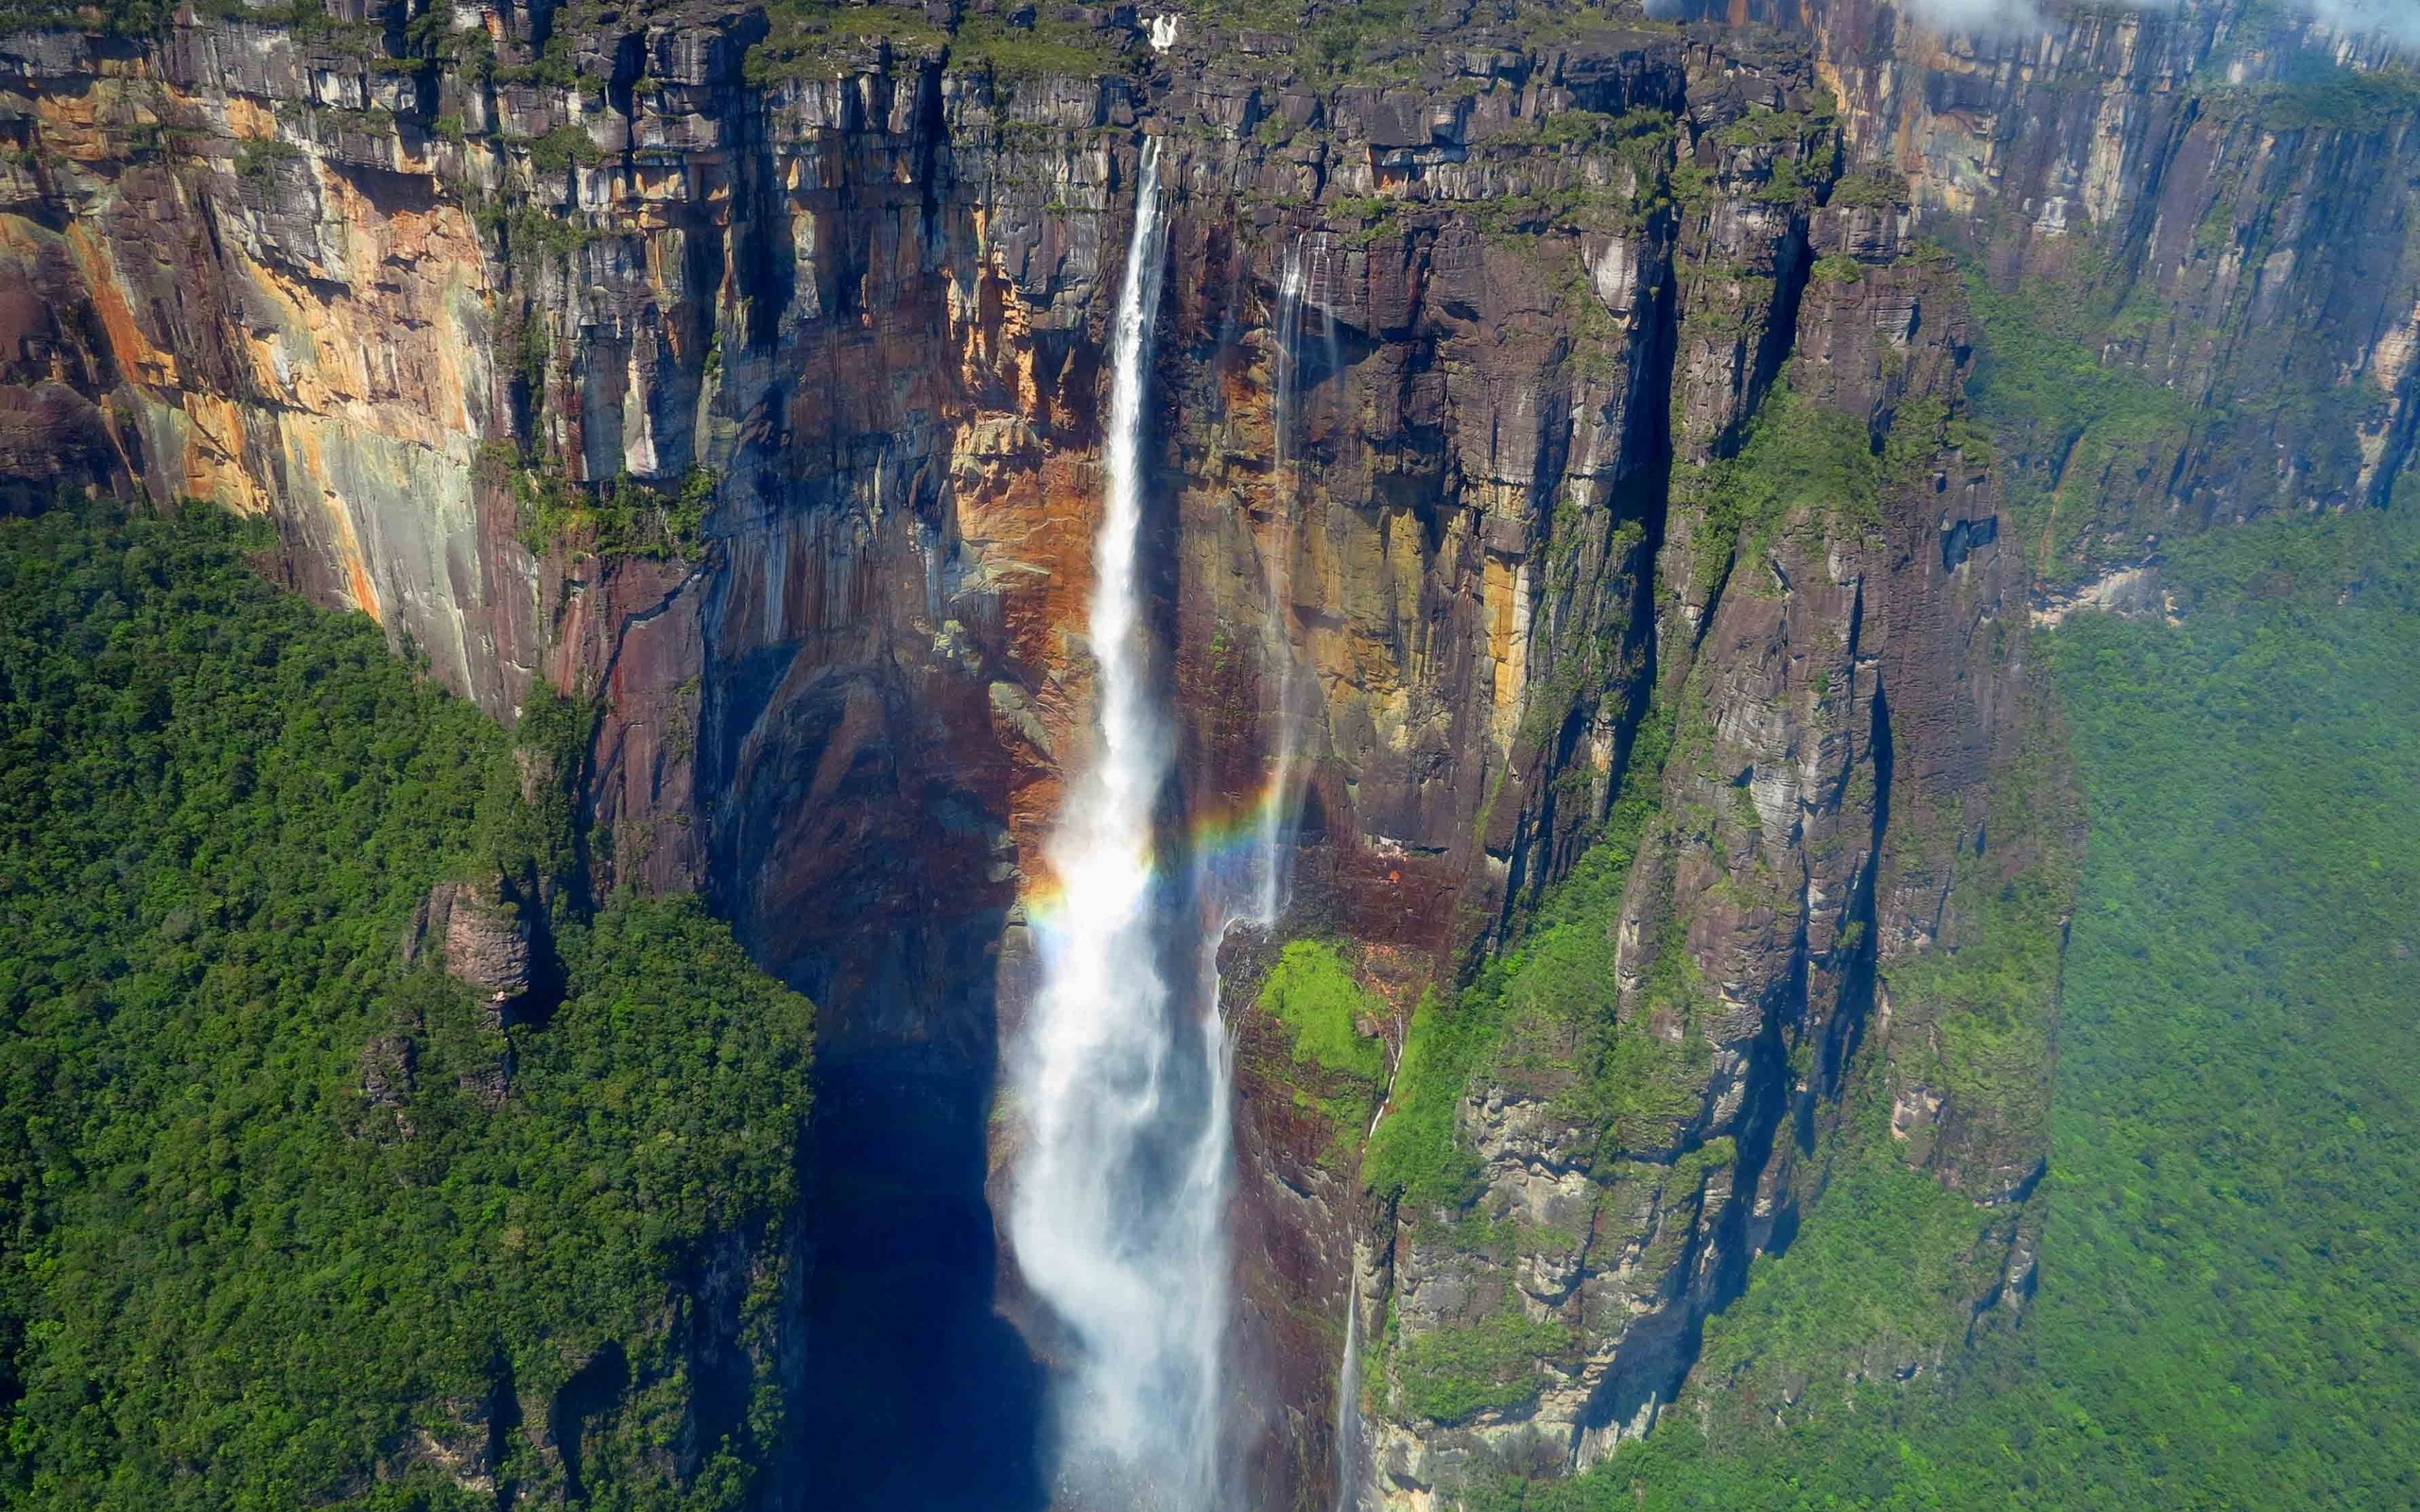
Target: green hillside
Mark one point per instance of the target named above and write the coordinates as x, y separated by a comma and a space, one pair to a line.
283, 1221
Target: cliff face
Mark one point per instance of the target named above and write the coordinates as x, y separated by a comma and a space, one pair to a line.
2180, 177
748, 372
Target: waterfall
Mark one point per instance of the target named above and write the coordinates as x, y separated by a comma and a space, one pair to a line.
1348, 1402
1325, 277
1276, 809
1120, 1186
1276, 816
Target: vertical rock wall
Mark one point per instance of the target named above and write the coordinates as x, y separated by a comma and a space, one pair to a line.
757, 393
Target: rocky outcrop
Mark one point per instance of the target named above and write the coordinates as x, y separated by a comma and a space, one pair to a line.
485, 942
744, 371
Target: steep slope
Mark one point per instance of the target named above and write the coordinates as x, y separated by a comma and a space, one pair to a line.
2218, 1323
2174, 189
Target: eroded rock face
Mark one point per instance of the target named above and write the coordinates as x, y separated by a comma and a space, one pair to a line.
486, 941
1448, 532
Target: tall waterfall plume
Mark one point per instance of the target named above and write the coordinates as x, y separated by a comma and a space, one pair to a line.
1120, 1189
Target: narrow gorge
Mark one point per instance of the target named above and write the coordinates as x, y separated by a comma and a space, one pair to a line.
1380, 665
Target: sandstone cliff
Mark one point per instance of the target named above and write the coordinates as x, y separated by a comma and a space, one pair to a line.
1631, 436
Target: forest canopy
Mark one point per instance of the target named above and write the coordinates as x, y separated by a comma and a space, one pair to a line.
287, 1219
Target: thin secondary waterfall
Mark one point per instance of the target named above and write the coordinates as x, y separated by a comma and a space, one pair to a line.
1293, 280
1348, 1403
1276, 812
1325, 276
1120, 1187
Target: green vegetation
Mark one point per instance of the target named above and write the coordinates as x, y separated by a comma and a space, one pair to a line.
2072, 422
1760, 127
1974, 1019
554, 66
825, 39
555, 152
531, 231
1882, 1277
2323, 96
2228, 1297
1044, 47
1871, 187
258, 157
284, 1220
1376, 214
1800, 157
1543, 1007
1388, 42
1354, 36
1416, 1155
1450, 1374
1312, 991
1639, 141
621, 518
1991, 999
1595, 130
108, 18
1555, 992
309, 19
1801, 461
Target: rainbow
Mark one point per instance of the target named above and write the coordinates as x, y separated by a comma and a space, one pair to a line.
1224, 851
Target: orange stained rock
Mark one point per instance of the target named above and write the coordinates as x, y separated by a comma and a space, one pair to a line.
71, 123
1031, 529
130, 349
1501, 593
304, 440
386, 350
995, 334
246, 117
213, 463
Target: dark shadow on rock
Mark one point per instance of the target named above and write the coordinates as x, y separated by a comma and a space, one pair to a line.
920, 1397
592, 1391
859, 866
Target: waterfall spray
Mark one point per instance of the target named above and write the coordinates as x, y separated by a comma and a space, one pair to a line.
1121, 1185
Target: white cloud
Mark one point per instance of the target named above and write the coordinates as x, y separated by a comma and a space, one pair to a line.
2395, 19
2398, 20
2007, 17
1994, 16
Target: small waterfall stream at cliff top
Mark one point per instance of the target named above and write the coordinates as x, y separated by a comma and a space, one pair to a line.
1120, 1186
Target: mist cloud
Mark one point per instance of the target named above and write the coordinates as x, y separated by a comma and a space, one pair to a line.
2398, 20
1994, 17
